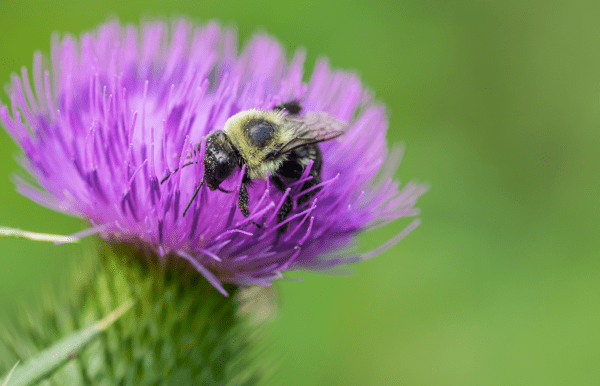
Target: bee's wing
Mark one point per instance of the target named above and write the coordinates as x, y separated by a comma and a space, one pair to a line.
311, 128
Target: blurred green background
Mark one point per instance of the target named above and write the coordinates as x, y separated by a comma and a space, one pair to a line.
499, 106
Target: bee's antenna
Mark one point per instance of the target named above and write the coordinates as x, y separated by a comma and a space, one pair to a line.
169, 175
193, 196
224, 190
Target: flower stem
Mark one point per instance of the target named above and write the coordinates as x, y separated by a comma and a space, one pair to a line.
180, 330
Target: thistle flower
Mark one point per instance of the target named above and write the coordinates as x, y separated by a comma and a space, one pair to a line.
117, 110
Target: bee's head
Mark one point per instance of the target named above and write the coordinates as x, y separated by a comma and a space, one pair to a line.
220, 160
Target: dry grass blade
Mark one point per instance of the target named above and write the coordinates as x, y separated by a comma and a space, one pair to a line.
8, 232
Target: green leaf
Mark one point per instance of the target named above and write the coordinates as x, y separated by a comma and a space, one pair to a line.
5, 383
53, 357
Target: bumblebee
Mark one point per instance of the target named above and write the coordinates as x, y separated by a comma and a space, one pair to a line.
276, 144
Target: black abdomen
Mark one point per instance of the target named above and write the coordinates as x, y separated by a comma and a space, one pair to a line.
298, 160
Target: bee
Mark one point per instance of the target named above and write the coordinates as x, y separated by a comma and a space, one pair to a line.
276, 144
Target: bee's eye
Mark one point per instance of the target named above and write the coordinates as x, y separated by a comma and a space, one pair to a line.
220, 160
223, 165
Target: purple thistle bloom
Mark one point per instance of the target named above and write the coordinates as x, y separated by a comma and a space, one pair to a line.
120, 108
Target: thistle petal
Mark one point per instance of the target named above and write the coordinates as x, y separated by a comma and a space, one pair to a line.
121, 108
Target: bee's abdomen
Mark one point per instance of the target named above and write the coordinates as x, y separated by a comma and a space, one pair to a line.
298, 160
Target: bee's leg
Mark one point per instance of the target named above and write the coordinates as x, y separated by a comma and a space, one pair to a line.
286, 207
243, 199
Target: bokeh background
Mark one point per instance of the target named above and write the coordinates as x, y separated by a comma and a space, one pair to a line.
498, 104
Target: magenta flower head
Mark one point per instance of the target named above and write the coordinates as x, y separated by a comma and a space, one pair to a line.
133, 130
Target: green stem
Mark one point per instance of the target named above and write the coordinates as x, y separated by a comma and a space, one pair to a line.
179, 331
